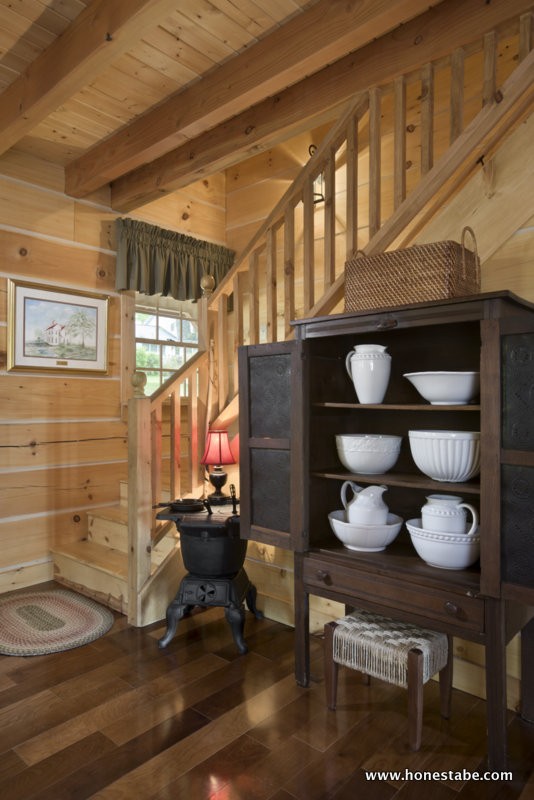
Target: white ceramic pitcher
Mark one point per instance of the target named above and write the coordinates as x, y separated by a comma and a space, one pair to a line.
446, 513
367, 506
369, 367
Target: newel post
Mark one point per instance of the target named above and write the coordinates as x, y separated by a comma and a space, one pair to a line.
139, 495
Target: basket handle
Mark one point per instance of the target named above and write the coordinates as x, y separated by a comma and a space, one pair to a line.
470, 231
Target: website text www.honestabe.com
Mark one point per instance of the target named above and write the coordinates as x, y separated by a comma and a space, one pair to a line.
438, 775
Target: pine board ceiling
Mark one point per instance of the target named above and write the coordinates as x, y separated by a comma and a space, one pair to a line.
110, 89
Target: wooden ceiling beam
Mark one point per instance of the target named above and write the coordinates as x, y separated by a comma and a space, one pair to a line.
98, 36
322, 34
305, 104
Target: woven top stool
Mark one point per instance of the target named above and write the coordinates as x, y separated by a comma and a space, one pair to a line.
397, 652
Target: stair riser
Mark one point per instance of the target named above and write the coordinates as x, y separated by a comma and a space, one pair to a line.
110, 590
108, 533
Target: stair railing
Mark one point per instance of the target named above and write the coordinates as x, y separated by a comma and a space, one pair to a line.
385, 167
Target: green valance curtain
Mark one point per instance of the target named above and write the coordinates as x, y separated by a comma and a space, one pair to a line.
152, 260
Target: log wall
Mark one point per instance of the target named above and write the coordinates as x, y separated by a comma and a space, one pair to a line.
63, 445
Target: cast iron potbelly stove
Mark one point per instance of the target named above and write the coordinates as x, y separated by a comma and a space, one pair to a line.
213, 553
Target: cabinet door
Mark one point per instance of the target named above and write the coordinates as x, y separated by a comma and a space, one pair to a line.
517, 457
271, 442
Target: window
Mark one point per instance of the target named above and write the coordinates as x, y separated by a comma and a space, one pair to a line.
166, 336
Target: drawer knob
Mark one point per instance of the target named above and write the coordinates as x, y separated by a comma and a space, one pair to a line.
323, 575
452, 609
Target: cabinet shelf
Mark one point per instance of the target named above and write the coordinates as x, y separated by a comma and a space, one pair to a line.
396, 406
405, 479
400, 558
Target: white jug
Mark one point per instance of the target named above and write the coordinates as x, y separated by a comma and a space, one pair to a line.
369, 367
446, 513
367, 506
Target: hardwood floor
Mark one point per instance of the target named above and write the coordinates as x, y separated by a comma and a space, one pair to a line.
119, 719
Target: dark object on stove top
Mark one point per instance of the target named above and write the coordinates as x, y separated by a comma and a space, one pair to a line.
212, 546
189, 505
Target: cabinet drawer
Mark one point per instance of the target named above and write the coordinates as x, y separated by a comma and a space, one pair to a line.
448, 608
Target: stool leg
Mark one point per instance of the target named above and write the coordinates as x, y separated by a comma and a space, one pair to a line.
445, 682
415, 698
331, 669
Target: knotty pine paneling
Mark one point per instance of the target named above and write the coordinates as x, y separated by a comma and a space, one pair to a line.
44, 444
31, 258
25, 396
511, 265
30, 538
60, 488
63, 442
198, 211
23, 167
32, 209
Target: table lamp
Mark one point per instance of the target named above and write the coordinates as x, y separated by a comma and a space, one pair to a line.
217, 453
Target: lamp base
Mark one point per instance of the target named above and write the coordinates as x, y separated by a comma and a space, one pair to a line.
218, 478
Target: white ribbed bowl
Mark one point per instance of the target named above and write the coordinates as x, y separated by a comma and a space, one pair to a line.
368, 453
452, 456
370, 538
444, 550
446, 388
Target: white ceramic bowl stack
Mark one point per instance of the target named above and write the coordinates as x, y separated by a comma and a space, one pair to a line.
367, 453
452, 456
446, 388
444, 550
364, 537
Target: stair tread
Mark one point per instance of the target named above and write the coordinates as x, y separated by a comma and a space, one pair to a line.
111, 513
96, 555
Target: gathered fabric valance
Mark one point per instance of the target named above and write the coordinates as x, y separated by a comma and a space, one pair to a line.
152, 260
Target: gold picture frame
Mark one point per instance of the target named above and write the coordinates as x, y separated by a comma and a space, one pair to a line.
51, 328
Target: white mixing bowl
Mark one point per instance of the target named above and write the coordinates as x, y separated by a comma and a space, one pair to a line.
446, 388
370, 538
444, 550
452, 456
368, 453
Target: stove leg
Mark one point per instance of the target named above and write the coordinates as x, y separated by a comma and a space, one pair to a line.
251, 602
235, 616
175, 612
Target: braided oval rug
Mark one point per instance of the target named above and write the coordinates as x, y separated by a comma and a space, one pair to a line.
35, 623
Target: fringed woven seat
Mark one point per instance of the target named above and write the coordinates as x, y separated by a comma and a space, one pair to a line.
397, 652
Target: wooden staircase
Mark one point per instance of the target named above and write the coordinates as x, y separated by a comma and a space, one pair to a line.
380, 191
97, 565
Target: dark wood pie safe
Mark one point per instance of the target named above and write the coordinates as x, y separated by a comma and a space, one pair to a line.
296, 396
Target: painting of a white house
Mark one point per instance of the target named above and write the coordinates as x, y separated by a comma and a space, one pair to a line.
56, 329
59, 330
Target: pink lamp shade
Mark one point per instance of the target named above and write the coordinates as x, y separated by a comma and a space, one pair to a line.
218, 449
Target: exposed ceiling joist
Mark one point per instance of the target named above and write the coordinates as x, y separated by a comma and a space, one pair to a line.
297, 108
322, 34
98, 36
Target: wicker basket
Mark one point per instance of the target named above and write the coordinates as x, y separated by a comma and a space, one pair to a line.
434, 271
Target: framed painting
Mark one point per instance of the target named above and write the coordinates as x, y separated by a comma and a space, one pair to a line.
56, 329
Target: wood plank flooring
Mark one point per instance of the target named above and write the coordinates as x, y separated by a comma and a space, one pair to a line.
119, 719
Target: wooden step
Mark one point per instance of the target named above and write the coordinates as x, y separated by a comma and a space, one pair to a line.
108, 526
94, 570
